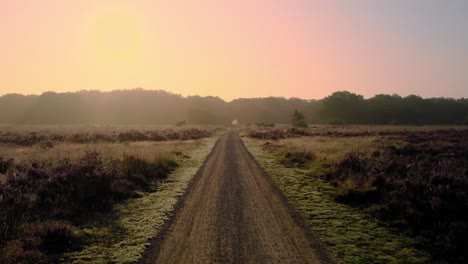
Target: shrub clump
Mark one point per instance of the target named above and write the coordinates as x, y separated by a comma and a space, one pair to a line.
69, 191
47, 140
296, 159
5, 165
421, 187
39, 242
51, 237
14, 252
265, 124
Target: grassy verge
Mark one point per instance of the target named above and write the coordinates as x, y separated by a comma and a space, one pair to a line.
122, 235
351, 234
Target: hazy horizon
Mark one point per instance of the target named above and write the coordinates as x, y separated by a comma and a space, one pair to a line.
236, 49
216, 96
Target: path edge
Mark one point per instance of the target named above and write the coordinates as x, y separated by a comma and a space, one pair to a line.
321, 250
151, 252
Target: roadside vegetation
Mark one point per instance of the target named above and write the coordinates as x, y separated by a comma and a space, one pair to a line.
375, 195
48, 137
71, 196
265, 124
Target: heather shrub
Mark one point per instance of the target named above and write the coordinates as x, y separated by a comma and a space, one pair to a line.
421, 187
15, 253
265, 124
78, 188
296, 159
194, 133
65, 189
16, 203
352, 166
51, 237
5, 164
275, 134
123, 188
359, 196
38, 242
47, 140
134, 167
132, 135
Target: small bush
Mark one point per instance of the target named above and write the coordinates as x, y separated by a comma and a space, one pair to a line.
265, 124
15, 253
296, 159
78, 188
352, 166
455, 243
5, 165
360, 196
138, 169
132, 135
16, 203
51, 237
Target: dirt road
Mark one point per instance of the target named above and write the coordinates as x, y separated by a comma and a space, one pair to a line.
234, 213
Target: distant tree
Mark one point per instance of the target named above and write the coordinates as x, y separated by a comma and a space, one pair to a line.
345, 106
298, 119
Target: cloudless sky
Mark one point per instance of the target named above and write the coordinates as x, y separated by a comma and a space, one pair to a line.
236, 48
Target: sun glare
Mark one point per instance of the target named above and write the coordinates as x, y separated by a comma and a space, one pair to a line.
116, 35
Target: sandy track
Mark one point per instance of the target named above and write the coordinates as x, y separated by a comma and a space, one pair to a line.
234, 213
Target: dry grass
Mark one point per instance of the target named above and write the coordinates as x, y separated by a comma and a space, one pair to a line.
123, 240
331, 149
148, 150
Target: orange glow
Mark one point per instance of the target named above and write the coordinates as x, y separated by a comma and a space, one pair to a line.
229, 49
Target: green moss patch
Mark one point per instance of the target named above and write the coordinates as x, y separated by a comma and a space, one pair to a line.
351, 234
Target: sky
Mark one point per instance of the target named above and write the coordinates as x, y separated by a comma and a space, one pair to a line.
236, 48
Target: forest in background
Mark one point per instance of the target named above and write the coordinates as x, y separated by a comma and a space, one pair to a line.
139, 106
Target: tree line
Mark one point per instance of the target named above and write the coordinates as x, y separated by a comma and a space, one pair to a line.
139, 106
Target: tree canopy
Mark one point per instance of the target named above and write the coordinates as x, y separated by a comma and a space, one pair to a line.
140, 106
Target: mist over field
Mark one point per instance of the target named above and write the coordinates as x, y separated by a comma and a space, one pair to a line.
236, 131
140, 106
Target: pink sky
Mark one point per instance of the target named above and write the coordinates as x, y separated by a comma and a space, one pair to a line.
231, 49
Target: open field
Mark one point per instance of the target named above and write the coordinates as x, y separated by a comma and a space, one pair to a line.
99, 198
374, 194
366, 194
